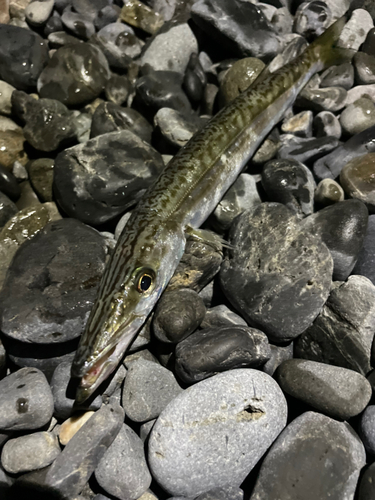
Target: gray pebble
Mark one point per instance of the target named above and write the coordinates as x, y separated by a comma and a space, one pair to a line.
365, 265
355, 31
338, 76
221, 316
278, 355
6, 91
326, 124
212, 435
37, 12
305, 150
312, 18
329, 192
360, 91
367, 429
358, 116
177, 128
323, 99
364, 65
79, 24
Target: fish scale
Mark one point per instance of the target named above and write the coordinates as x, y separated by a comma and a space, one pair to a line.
188, 190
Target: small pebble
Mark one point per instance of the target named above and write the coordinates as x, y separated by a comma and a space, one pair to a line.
312, 18
300, 124
326, 124
355, 31
338, 76
72, 425
328, 192
5, 98
364, 65
358, 179
358, 116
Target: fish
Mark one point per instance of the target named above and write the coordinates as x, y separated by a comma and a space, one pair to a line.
187, 191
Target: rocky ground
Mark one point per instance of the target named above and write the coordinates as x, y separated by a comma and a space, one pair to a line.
253, 379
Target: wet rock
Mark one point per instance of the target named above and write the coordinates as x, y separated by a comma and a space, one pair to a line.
360, 91
23, 54
176, 127
171, 50
358, 116
305, 150
72, 425
369, 44
124, 167
89, 7
37, 12
25, 400
223, 21
365, 265
64, 393
239, 77
30, 452
107, 15
5, 98
118, 43
277, 263
326, 124
342, 227
53, 24
28, 198
243, 423
195, 79
343, 332
323, 99
291, 183
312, 18
328, 192
12, 148
62, 78
331, 165
123, 470
59, 269
117, 89
314, 454
364, 65
221, 315
366, 429
300, 124
338, 76
41, 177
148, 389
357, 179
177, 315
7, 209
355, 30
137, 14
79, 24
110, 117
213, 350
338, 392
48, 123
58, 39
8, 184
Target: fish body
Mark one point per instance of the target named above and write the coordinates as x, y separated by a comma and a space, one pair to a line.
188, 190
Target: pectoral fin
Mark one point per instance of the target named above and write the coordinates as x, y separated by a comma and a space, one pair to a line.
208, 237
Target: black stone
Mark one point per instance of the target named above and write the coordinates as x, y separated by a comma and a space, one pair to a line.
53, 24
100, 179
365, 265
366, 490
51, 284
213, 350
8, 184
23, 54
342, 227
195, 79
306, 150
278, 275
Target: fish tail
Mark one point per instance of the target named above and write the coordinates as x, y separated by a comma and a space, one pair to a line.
324, 49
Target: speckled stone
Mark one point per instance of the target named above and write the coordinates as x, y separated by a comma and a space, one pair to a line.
243, 423
313, 455
358, 179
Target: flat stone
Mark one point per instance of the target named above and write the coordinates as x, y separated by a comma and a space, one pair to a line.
219, 433
358, 179
355, 30
313, 455
323, 99
305, 150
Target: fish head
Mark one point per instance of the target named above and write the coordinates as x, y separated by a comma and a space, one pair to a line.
135, 277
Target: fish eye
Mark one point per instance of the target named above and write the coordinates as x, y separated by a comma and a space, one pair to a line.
145, 281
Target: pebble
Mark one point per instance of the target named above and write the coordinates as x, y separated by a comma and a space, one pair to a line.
37, 12
58, 39
72, 425
60, 269
119, 44
12, 147
314, 454
364, 65
221, 315
62, 78
79, 24
369, 44
358, 180
7, 209
328, 192
171, 50
225, 493
123, 471
282, 21
291, 183
195, 79
305, 150
41, 177
342, 334
213, 350
175, 127
342, 227
139, 15
366, 429
218, 434
117, 89
358, 116
239, 77
178, 314
5, 98
30, 452
359, 91
224, 22
294, 47
53, 24
278, 355
326, 124
355, 30
277, 263
312, 18
89, 7
8, 184
23, 54
299, 124
365, 265
366, 490
323, 99
338, 76
337, 392
26, 401
28, 197
148, 389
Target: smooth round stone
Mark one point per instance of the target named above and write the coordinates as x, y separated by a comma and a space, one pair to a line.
358, 179
364, 65
7, 209
239, 77
338, 392
242, 195
213, 350
148, 389
291, 183
224, 21
312, 18
124, 167
5, 98
355, 30
195, 79
23, 54
313, 455
71, 426
341, 334
365, 265
246, 411
367, 429
139, 15
119, 43
53, 24
323, 99
226, 493
300, 124
326, 124
60, 269
123, 470
31, 452
366, 490
177, 315
175, 127
281, 267
62, 78
79, 24
107, 15
171, 50
12, 148
26, 401
41, 177
328, 192
358, 116
8, 184
37, 12
342, 227
338, 76
110, 117
89, 7
117, 89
